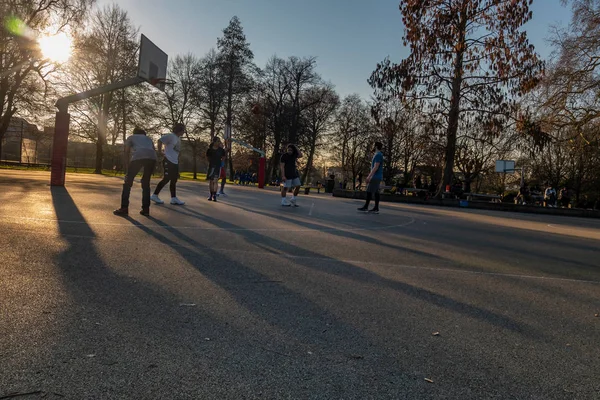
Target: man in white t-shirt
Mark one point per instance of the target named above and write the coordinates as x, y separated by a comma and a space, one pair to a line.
172, 145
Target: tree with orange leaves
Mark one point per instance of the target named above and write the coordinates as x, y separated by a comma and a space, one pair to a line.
470, 60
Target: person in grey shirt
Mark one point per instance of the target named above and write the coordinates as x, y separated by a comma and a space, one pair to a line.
139, 153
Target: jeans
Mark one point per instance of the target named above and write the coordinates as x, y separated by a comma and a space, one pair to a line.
133, 169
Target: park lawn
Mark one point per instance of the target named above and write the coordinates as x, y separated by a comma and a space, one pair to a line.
108, 172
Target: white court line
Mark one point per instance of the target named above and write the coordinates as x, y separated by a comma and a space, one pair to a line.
343, 261
198, 228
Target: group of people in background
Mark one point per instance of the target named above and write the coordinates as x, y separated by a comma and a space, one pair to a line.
141, 154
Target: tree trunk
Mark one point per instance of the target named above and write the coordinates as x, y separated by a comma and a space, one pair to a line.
309, 163
454, 114
195, 162
99, 156
102, 124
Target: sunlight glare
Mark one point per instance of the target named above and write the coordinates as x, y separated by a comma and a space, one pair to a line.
56, 48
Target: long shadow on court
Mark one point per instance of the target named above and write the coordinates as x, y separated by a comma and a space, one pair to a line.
349, 271
346, 233
567, 257
136, 332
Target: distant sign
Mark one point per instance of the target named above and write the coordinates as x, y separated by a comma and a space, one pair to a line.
505, 166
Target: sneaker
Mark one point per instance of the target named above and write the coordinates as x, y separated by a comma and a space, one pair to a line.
214, 199
374, 211
121, 211
176, 201
156, 199
363, 209
210, 198
285, 203
293, 201
222, 194
145, 212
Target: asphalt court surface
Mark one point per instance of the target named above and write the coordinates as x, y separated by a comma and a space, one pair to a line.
244, 298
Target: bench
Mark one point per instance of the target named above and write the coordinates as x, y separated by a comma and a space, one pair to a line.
494, 198
413, 191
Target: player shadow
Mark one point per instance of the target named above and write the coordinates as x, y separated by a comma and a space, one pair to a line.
342, 232
521, 245
302, 321
548, 236
329, 265
111, 310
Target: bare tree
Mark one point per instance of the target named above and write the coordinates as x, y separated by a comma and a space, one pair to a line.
181, 104
103, 55
467, 57
24, 73
210, 91
352, 135
322, 103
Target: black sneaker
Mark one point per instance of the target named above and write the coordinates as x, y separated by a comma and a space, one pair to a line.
214, 198
145, 212
374, 211
121, 211
210, 198
363, 209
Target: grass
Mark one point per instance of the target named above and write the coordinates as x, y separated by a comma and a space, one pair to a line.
108, 172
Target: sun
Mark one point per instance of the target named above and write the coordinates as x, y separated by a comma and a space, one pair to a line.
56, 48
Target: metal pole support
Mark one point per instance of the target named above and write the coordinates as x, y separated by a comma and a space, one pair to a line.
59, 148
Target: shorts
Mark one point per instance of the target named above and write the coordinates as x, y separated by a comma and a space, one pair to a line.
374, 186
291, 183
213, 173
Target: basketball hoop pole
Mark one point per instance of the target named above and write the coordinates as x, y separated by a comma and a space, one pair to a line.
61, 126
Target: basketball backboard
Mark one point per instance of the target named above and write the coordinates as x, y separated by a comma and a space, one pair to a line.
505, 166
152, 64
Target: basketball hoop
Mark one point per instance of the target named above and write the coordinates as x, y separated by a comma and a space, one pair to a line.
161, 83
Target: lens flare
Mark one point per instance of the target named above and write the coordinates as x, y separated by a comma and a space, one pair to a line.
56, 48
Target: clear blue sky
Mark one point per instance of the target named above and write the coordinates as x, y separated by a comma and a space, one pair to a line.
348, 37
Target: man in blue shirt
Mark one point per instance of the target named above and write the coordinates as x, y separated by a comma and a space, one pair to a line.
374, 180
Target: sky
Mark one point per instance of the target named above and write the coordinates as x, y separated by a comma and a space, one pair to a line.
348, 37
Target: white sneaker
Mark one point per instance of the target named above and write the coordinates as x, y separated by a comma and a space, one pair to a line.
286, 203
221, 194
293, 202
176, 201
156, 199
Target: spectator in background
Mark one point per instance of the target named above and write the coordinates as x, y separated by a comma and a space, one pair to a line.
565, 198
550, 196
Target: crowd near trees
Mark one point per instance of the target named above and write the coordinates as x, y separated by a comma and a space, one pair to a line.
471, 91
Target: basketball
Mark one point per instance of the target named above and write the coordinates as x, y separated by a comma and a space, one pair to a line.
256, 109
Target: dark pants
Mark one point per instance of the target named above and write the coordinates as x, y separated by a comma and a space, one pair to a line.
133, 169
171, 175
373, 191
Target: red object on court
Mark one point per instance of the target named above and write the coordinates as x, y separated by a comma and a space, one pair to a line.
261, 172
59, 149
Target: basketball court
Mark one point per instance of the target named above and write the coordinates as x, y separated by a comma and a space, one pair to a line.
244, 298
